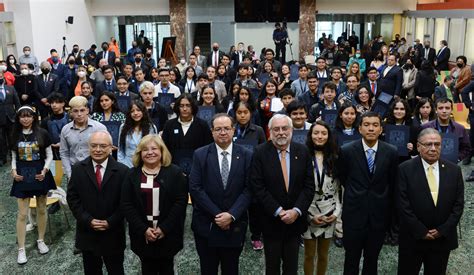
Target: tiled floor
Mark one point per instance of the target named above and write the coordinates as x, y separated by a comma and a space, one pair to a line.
61, 260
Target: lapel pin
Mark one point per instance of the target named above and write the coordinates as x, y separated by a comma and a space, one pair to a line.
442, 165
296, 157
238, 157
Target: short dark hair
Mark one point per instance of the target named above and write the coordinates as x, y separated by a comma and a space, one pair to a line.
56, 97
269, 50
320, 58
192, 101
329, 85
137, 69
163, 70
303, 66
444, 42
53, 51
371, 69
203, 76
370, 114
286, 91
107, 67
104, 43
312, 75
442, 100
295, 105
336, 68
218, 115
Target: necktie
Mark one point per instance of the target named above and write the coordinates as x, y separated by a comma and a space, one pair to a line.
216, 59
370, 159
98, 175
283, 168
109, 86
2, 94
373, 87
426, 53
432, 184
224, 168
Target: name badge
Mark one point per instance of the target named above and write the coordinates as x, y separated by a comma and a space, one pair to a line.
176, 131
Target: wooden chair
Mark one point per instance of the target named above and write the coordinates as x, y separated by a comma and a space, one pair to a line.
460, 115
58, 175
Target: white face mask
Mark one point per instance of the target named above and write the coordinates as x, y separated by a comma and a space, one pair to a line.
81, 74
3, 68
182, 61
25, 71
26, 53
12, 61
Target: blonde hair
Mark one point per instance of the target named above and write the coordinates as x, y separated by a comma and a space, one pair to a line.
165, 153
146, 85
78, 101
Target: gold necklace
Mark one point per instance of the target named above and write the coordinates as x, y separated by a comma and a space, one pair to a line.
150, 173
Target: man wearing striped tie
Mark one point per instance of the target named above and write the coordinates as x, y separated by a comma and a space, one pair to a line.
431, 197
368, 172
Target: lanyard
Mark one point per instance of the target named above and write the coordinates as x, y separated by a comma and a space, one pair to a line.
319, 177
439, 128
241, 133
303, 88
190, 85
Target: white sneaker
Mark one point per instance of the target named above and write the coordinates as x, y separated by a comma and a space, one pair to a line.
42, 247
21, 256
29, 227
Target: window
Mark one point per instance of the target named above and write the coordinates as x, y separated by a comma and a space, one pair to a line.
469, 44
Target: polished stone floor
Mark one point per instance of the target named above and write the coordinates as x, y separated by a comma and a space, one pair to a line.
61, 260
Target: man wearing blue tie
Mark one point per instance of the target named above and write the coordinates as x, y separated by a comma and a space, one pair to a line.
218, 184
108, 84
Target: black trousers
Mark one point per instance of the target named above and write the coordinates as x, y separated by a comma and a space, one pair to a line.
255, 221
366, 241
211, 257
93, 263
410, 260
4, 134
280, 47
278, 251
471, 133
154, 266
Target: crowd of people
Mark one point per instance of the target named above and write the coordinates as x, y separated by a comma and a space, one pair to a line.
301, 154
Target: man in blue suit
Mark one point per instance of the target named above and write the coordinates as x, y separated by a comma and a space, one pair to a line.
391, 79
218, 185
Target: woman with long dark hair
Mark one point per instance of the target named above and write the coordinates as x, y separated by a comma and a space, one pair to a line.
12, 65
347, 123
364, 99
137, 125
424, 111
106, 108
188, 82
209, 98
268, 92
326, 206
31, 150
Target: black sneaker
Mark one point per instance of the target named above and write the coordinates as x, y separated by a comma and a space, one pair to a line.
54, 208
338, 242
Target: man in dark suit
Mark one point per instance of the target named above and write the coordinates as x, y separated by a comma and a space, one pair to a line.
372, 83
282, 181
428, 53
442, 58
218, 185
9, 103
108, 84
215, 57
47, 83
93, 195
431, 196
105, 54
391, 79
239, 55
368, 170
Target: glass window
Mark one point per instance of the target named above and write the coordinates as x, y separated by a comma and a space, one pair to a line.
455, 39
439, 33
420, 29
469, 44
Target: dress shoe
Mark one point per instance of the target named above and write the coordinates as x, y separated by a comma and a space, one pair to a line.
338, 242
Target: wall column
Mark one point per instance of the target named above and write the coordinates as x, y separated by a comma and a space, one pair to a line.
178, 25
307, 24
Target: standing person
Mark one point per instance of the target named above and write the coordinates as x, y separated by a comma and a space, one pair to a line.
28, 58
106, 108
30, 146
391, 78
442, 57
215, 57
282, 181
8, 105
56, 121
268, 92
218, 185
425, 81
154, 198
47, 83
280, 36
93, 195
300, 85
326, 205
137, 125
431, 195
73, 146
368, 170
424, 112
26, 87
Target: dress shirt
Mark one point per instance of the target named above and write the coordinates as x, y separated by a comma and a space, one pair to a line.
102, 168
287, 158
221, 157
435, 171
366, 147
185, 125
386, 70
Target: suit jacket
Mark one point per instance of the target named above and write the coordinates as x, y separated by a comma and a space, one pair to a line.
210, 198
368, 198
442, 59
50, 86
368, 85
431, 55
102, 86
87, 202
392, 82
268, 187
101, 55
9, 106
209, 58
173, 202
235, 58
418, 214
440, 92
202, 61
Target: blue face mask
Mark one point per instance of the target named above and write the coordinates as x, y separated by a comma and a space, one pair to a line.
55, 59
357, 55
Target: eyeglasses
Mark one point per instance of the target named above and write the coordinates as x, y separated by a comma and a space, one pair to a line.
99, 146
431, 144
224, 129
280, 129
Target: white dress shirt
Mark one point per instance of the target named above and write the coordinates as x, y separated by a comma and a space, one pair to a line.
102, 168
220, 157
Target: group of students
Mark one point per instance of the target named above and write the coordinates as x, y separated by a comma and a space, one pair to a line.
177, 130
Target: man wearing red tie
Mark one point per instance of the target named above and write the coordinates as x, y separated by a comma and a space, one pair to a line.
93, 195
214, 58
372, 82
431, 197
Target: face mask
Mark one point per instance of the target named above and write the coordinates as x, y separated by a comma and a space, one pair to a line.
215, 49
182, 61
81, 74
71, 62
26, 53
118, 64
409, 66
55, 59
459, 65
138, 59
24, 72
3, 68
82, 55
75, 50
148, 55
1, 81
45, 71
357, 55
427, 46
105, 48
